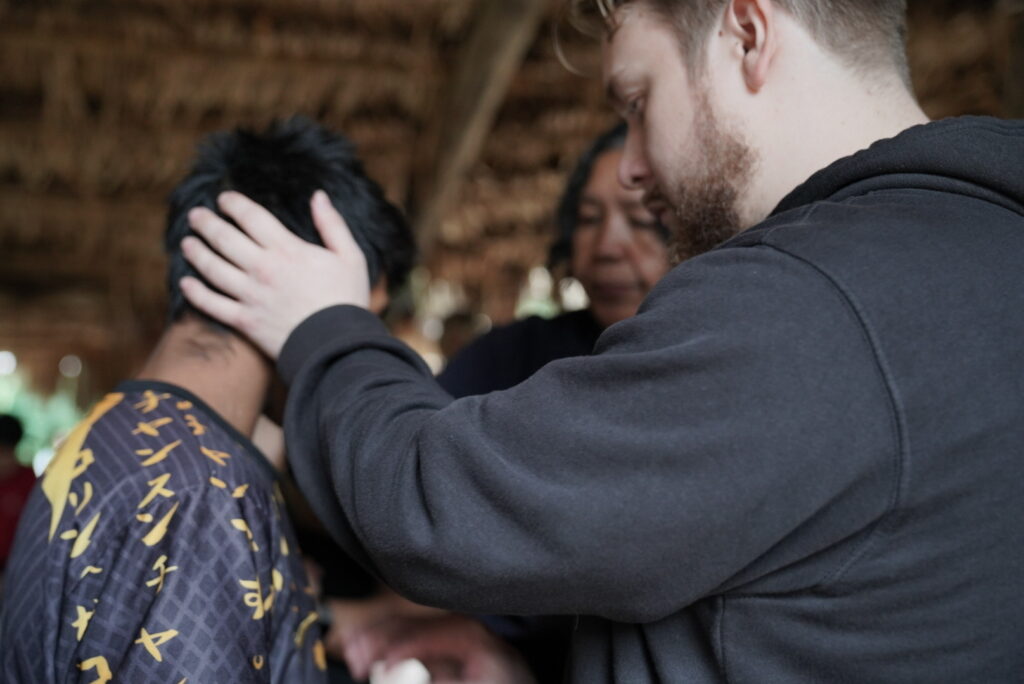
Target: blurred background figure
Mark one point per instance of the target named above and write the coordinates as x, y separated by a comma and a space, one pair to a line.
613, 245
16, 482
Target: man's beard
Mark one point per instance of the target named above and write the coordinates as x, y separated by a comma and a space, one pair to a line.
706, 204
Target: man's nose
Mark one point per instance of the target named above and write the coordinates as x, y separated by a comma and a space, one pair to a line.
634, 171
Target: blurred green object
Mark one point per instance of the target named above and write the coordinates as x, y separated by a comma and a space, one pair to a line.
44, 419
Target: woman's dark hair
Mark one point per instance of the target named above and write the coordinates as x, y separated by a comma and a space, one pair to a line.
568, 212
281, 168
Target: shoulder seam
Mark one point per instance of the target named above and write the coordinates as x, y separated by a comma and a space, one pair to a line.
900, 454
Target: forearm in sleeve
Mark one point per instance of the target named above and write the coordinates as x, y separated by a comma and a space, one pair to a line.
711, 440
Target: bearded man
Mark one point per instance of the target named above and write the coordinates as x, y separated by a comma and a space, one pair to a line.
799, 462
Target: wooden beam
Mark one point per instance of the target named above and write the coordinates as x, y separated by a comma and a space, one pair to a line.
33, 273
319, 57
136, 158
500, 37
92, 226
217, 20
243, 85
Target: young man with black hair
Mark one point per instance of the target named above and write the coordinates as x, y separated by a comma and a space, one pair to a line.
799, 462
157, 547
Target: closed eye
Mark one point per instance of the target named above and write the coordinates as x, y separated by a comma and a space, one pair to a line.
634, 106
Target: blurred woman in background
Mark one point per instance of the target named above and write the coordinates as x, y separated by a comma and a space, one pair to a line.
614, 246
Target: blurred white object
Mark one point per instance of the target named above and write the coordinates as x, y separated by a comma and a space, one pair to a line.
409, 671
41, 460
8, 363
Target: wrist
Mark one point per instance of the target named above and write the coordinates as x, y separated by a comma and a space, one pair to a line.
322, 329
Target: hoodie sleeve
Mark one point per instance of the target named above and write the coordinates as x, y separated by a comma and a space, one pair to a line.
738, 424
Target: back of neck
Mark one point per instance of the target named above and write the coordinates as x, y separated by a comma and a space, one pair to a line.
840, 115
223, 370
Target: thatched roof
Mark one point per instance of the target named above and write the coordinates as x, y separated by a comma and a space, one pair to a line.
102, 102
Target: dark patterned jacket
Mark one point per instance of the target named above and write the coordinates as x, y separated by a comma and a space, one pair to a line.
155, 548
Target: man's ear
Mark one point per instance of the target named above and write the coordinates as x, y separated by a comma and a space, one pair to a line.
752, 25
379, 298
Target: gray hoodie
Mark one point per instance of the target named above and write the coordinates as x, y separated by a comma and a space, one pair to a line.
802, 461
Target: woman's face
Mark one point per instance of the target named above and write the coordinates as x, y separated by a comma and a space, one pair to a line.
618, 253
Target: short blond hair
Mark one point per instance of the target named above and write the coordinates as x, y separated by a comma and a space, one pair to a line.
867, 35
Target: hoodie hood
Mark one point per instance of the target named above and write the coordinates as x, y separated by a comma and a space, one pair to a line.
977, 156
